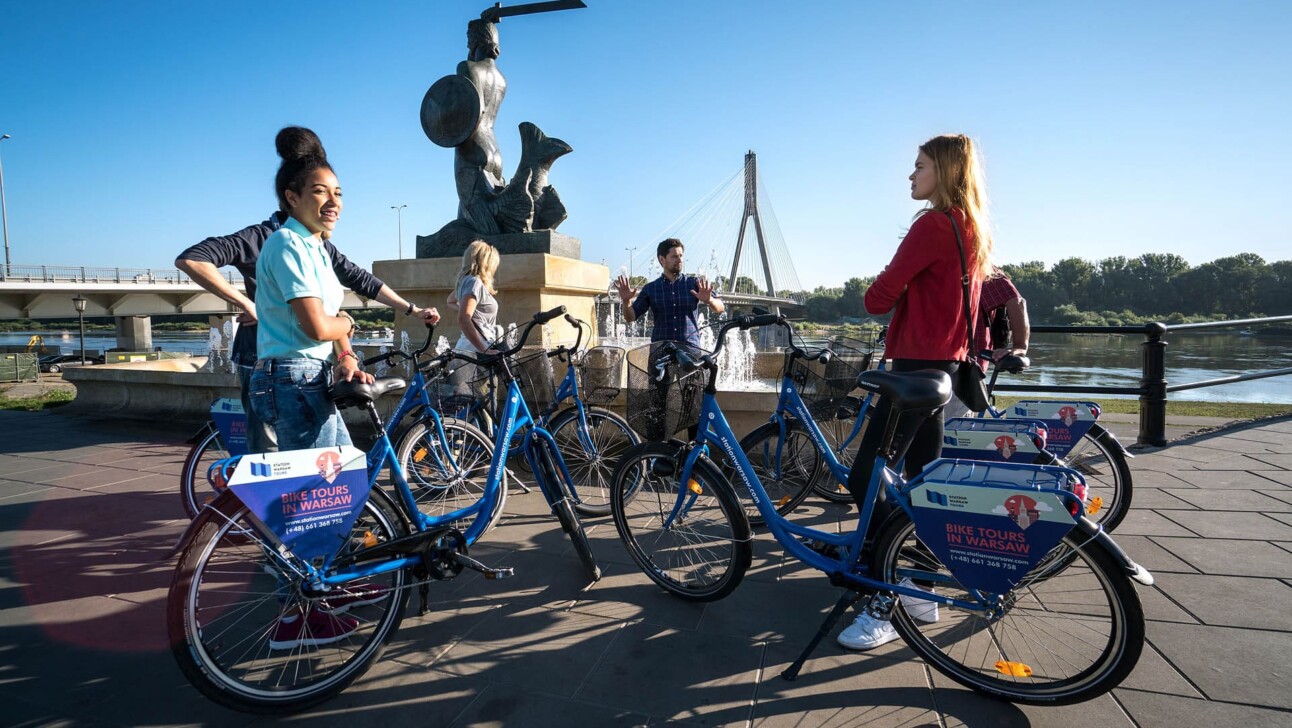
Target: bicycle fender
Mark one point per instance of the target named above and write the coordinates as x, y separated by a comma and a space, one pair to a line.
1095, 532
226, 502
1118, 443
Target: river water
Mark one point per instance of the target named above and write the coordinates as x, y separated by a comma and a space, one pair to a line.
1107, 360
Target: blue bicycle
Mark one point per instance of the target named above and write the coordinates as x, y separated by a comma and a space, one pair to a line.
273, 609
989, 571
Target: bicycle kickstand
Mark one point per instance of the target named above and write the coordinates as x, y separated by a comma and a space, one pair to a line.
848, 599
524, 488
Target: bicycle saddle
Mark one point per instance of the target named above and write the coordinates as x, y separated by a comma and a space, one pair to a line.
909, 390
358, 394
1013, 364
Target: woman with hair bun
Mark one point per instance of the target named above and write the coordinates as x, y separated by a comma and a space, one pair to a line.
921, 286
303, 338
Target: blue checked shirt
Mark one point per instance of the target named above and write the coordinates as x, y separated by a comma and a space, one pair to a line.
673, 308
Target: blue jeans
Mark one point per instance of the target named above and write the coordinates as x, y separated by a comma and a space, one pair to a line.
260, 436
290, 395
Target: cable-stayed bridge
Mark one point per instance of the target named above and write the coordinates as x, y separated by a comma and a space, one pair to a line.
732, 237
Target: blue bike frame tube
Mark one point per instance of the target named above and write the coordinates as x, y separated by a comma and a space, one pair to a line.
719, 430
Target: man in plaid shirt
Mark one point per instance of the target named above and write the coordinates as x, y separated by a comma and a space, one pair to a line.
673, 299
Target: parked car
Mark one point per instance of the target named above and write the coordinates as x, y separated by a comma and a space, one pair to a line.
55, 363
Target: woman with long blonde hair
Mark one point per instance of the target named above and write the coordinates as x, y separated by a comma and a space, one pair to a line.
473, 296
922, 288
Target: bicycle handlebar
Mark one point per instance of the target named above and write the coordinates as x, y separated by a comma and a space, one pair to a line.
485, 360
390, 356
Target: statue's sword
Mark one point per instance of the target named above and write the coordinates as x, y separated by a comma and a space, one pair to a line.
498, 12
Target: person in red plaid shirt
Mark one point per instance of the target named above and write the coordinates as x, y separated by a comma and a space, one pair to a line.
999, 297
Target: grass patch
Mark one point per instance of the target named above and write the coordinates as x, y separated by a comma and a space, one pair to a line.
52, 398
1180, 408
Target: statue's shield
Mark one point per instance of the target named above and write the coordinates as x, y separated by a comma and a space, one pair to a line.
450, 111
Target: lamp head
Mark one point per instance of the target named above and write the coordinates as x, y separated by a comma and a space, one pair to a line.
79, 302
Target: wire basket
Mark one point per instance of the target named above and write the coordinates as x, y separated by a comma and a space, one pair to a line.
822, 385
659, 407
537, 384
601, 374
454, 390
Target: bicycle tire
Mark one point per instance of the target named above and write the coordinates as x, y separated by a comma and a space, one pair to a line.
437, 491
1098, 457
787, 467
563, 509
252, 676
701, 557
195, 489
835, 428
610, 435
1065, 637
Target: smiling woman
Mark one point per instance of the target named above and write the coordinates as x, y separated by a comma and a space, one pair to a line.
298, 298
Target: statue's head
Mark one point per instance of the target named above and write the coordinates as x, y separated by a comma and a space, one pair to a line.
482, 40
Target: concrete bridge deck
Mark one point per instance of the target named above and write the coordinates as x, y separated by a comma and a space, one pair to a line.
88, 512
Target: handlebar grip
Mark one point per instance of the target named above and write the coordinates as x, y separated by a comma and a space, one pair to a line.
762, 319
686, 361
544, 317
571, 321
825, 356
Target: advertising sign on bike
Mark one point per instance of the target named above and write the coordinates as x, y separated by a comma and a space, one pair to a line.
1067, 421
232, 423
990, 529
974, 438
309, 499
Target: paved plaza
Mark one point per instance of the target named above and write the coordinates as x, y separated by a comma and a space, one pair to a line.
89, 510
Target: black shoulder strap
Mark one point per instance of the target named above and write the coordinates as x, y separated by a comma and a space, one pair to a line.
964, 284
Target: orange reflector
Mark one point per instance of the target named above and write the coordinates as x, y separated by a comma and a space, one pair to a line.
840, 489
1013, 669
369, 540
1095, 505
784, 499
419, 455
694, 485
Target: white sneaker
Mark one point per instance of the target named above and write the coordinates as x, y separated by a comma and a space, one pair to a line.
921, 610
866, 633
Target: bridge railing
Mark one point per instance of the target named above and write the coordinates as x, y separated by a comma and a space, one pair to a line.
1153, 388
89, 274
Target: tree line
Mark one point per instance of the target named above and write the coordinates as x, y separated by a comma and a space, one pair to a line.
1117, 290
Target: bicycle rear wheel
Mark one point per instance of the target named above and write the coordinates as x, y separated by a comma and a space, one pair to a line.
1099, 459
610, 437
195, 489
1062, 636
786, 466
250, 636
564, 509
692, 539
442, 485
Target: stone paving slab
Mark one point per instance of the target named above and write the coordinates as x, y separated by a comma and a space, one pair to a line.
86, 530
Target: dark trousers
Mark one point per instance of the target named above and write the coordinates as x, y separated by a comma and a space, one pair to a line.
921, 442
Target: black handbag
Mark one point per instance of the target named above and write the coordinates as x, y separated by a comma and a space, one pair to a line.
968, 384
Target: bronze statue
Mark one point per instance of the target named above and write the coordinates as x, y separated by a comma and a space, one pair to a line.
459, 111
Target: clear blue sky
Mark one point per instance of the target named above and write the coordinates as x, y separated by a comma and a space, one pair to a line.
1109, 128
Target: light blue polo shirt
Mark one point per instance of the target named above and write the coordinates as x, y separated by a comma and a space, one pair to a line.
293, 264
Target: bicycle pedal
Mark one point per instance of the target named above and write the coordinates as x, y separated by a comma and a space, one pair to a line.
493, 574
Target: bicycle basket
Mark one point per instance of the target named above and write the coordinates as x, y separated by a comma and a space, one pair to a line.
455, 390
851, 358
533, 374
659, 406
601, 374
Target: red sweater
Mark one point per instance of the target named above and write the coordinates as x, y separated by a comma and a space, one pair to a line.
921, 285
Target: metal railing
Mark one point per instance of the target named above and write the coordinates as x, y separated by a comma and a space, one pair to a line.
1153, 389
88, 274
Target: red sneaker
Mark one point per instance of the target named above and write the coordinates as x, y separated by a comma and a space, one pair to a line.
317, 627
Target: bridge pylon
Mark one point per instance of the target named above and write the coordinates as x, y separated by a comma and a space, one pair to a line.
751, 212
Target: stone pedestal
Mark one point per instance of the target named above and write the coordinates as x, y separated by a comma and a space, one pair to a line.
526, 283
452, 240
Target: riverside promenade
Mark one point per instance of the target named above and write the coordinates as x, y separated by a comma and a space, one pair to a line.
89, 511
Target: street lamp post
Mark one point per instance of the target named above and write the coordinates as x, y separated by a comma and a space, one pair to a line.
399, 215
630, 263
79, 302
4, 214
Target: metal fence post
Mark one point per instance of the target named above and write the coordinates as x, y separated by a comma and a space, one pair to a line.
1152, 398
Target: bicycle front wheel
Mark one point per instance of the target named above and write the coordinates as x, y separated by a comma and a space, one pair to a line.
1099, 459
449, 474
195, 488
610, 436
692, 538
1059, 637
837, 421
248, 633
